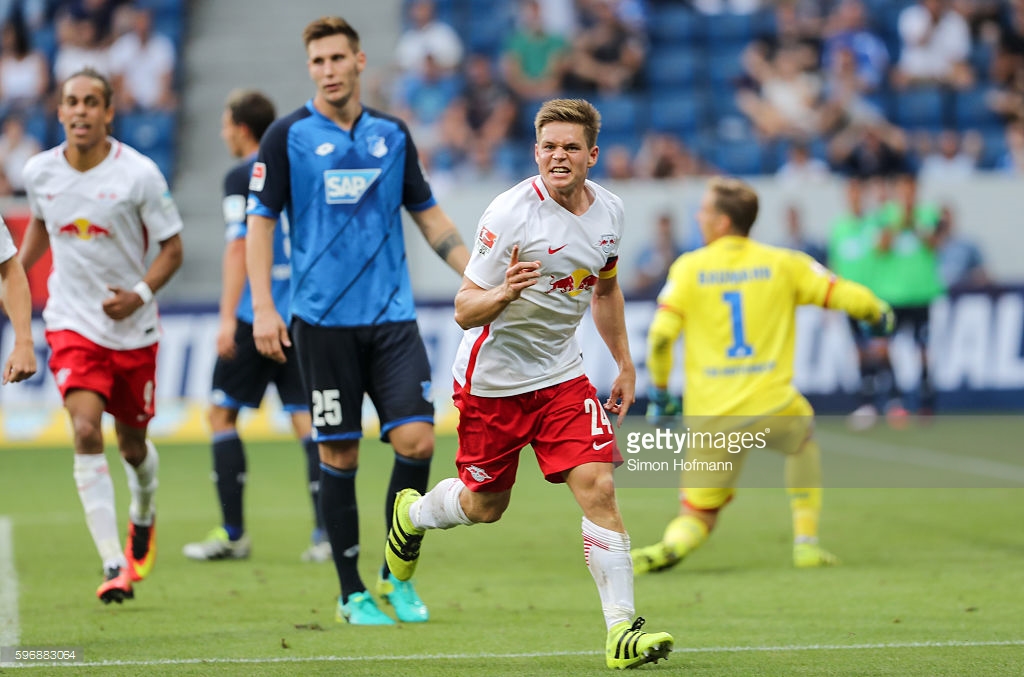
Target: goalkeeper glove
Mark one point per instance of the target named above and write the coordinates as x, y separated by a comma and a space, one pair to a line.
662, 408
884, 325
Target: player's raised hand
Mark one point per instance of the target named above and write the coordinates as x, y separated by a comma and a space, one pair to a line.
519, 275
21, 364
270, 334
123, 303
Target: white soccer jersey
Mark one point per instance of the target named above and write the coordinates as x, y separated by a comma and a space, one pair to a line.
532, 343
7, 248
100, 224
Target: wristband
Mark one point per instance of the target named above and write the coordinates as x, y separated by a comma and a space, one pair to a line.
144, 292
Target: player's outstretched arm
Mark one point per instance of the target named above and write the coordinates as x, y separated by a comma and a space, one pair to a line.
21, 363
124, 302
443, 237
476, 306
609, 311
268, 328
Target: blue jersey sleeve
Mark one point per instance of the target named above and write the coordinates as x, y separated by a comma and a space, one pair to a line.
236, 190
270, 183
416, 193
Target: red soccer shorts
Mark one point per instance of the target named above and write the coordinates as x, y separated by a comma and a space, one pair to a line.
565, 424
126, 379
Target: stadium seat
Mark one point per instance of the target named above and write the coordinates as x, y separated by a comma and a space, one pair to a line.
741, 158
971, 110
682, 113
674, 25
674, 67
724, 66
918, 108
621, 114
734, 29
147, 132
994, 150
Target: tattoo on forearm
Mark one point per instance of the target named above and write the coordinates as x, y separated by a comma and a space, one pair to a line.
445, 246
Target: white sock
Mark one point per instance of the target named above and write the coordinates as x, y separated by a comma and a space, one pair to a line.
607, 555
142, 481
439, 508
96, 489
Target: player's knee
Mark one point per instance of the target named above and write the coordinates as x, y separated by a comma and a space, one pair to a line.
88, 433
221, 419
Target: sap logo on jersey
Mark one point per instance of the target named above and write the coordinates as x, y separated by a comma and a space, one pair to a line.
347, 186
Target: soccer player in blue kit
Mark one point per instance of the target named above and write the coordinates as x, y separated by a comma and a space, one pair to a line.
242, 374
340, 173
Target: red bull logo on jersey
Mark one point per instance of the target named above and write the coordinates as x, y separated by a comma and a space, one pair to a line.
84, 229
347, 186
573, 285
607, 243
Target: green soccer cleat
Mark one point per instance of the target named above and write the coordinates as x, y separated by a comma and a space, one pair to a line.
657, 557
361, 610
808, 555
629, 647
402, 597
403, 546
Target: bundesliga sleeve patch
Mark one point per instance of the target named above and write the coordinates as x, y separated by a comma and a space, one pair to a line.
486, 239
258, 178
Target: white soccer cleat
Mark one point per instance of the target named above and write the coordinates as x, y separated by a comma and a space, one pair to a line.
862, 418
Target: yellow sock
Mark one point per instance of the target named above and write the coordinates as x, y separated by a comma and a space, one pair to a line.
806, 506
685, 534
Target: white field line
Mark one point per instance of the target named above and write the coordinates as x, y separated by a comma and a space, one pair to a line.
537, 654
10, 627
852, 445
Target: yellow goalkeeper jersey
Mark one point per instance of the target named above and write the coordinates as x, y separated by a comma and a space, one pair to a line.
736, 301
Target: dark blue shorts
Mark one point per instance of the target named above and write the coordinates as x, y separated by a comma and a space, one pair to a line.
243, 380
388, 362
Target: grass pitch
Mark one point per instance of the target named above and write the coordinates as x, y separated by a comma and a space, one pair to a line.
930, 582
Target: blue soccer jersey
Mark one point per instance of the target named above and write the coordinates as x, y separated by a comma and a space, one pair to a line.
342, 192
236, 190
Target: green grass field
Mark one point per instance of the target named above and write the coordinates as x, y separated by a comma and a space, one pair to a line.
930, 583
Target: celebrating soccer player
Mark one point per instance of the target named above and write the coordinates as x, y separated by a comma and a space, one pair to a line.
342, 172
545, 250
736, 301
97, 204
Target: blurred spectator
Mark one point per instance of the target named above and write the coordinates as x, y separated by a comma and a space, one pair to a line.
951, 160
16, 147
99, 13
559, 17
796, 238
1008, 59
77, 48
617, 161
534, 60
801, 169
485, 110
961, 264
142, 64
935, 45
868, 151
428, 36
844, 93
1013, 161
663, 156
787, 106
847, 32
607, 57
24, 73
656, 258
424, 100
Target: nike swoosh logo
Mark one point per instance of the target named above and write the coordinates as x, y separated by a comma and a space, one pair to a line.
599, 447
557, 249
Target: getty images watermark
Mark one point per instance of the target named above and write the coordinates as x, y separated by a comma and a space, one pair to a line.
656, 459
